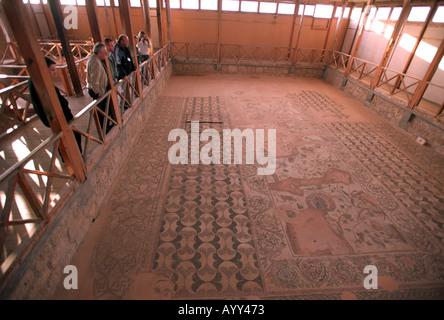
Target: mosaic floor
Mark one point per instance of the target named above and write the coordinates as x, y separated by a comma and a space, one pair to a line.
349, 191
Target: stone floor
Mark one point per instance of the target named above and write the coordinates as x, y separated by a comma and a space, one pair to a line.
349, 191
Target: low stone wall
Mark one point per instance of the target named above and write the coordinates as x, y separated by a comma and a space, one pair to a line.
411, 121
42, 269
187, 67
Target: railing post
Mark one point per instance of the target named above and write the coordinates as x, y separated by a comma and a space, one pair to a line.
37, 69
154, 66
422, 86
391, 43
66, 82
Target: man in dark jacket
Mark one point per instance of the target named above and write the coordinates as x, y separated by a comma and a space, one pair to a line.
38, 108
124, 61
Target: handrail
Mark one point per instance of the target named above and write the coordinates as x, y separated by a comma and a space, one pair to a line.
15, 105
17, 175
362, 70
375, 64
395, 83
7, 76
19, 165
59, 66
83, 111
12, 87
249, 52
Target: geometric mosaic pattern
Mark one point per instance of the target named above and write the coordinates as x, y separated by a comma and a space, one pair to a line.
345, 194
419, 192
318, 102
204, 109
326, 214
205, 242
315, 224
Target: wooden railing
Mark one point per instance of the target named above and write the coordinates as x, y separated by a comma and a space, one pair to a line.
29, 193
92, 129
15, 104
199, 52
14, 95
54, 50
81, 51
338, 60
396, 85
11, 53
81, 65
33, 190
247, 54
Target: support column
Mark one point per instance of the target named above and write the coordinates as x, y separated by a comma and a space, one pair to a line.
108, 20
48, 19
423, 84
219, 33
293, 25
96, 33
352, 5
9, 38
418, 41
64, 40
361, 29
300, 26
391, 43
125, 18
299, 34
24, 34
113, 8
147, 19
329, 27
159, 21
338, 25
357, 28
35, 24
168, 18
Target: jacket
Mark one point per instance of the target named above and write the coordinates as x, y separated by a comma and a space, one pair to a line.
124, 61
96, 75
38, 108
112, 65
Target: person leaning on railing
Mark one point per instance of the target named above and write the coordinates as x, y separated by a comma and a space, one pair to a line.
38, 108
109, 43
97, 78
124, 61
